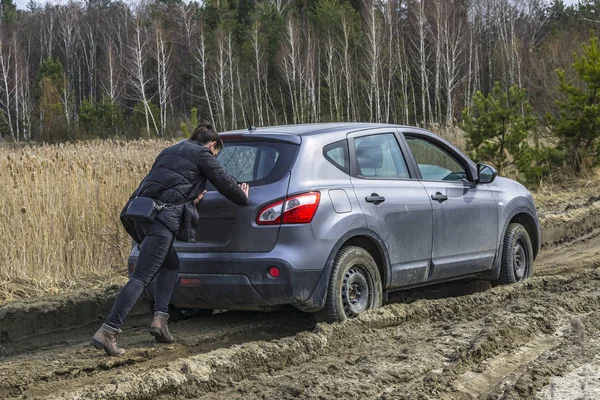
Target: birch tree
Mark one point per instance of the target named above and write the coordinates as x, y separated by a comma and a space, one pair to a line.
452, 55
8, 101
422, 56
162, 55
373, 43
203, 64
139, 79
68, 18
289, 64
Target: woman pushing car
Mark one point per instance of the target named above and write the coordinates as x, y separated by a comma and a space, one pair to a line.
161, 210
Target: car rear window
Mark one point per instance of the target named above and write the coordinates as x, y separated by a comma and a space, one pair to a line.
257, 162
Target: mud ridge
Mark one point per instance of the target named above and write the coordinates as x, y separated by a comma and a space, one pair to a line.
34, 324
202, 374
571, 225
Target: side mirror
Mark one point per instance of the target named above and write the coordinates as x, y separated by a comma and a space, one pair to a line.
485, 174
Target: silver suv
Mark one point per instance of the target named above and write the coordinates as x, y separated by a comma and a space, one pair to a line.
342, 214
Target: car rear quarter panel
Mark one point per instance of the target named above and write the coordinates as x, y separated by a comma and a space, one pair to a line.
334, 217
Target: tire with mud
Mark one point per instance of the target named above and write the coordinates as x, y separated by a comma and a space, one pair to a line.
517, 256
354, 286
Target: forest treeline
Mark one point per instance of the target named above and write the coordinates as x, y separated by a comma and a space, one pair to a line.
104, 68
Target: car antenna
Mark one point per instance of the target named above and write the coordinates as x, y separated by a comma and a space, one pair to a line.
250, 127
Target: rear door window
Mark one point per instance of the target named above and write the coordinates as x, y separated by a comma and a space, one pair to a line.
379, 157
257, 162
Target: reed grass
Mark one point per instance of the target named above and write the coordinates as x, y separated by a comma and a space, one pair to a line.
59, 214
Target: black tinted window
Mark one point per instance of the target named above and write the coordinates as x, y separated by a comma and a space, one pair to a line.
257, 163
379, 156
337, 154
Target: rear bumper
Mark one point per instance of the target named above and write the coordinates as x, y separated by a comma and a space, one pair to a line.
236, 282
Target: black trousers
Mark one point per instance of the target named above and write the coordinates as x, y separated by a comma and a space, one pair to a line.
157, 259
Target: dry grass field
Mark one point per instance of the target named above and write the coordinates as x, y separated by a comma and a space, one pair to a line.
59, 213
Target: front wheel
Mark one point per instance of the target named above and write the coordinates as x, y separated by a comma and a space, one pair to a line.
354, 286
517, 256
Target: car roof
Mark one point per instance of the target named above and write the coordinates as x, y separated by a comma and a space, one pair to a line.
302, 130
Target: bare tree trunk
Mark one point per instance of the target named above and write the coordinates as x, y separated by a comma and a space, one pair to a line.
23, 106
390, 8
220, 78
6, 102
230, 61
189, 25
202, 60
347, 68
112, 87
289, 64
312, 75
440, 10
452, 43
403, 74
139, 82
373, 55
469, 95
162, 55
17, 84
89, 45
329, 80
258, 56
69, 31
47, 37
423, 57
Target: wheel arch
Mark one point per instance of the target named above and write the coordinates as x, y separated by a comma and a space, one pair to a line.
528, 222
373, 248
524, 216
361, 237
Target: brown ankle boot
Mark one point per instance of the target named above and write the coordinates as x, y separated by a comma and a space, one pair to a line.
159, 328
106, 339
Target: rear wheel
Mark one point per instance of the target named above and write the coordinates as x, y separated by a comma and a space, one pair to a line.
354, 286
517, 256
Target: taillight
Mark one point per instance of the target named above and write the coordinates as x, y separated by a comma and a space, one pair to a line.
299, 209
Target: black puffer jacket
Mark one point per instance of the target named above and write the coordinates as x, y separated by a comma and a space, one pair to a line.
178, 176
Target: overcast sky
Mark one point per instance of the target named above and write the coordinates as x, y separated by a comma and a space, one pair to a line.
22, 3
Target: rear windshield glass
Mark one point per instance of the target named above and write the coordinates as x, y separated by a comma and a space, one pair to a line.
257, 163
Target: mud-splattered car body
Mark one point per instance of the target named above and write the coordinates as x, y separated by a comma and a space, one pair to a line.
409, 200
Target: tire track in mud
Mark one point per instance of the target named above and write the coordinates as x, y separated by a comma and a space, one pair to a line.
505, 342
79, 362
402, 351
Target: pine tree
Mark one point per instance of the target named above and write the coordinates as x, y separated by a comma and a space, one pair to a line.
498, 127
188, 128
577, 125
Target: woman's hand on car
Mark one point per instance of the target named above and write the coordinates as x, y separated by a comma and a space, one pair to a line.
199, 198
245, 188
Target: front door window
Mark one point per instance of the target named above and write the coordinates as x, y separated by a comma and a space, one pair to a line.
434, 163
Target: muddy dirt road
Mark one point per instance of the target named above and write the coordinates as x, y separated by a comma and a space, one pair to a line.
538, 339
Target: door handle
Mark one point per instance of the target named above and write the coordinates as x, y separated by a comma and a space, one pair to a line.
439, 197
375, 199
